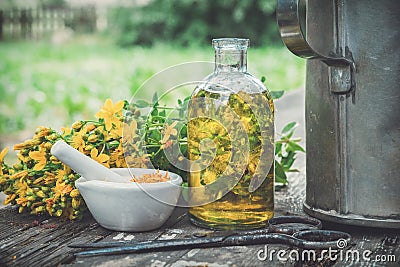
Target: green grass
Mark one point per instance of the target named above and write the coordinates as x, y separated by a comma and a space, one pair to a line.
54, 85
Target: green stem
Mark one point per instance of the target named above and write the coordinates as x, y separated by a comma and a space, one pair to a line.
102, 150
158, 151
152, 145
92, 121
162, 117
165, 108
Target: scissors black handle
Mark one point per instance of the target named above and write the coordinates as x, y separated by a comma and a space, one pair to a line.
293, 224
282, 225
310, 239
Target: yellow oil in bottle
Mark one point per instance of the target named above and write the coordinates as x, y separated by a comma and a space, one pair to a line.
239, 208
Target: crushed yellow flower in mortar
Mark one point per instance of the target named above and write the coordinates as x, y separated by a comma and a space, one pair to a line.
156, 177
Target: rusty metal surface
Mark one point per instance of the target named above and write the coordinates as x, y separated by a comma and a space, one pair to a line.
353, 136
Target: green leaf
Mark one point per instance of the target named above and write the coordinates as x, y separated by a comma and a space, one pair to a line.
142, 103
292, 146
280, 175
183, 132
290, 134
263, 79
126, 105
289, 128
281, 180
155, 99
288, 161
277, 94
278, 148
154, 112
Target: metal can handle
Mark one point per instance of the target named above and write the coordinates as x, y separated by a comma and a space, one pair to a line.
288, 19
341, 69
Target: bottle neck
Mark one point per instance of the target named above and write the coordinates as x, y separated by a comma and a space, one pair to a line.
229, 60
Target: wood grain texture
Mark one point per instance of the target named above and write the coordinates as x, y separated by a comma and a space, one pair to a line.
27, 240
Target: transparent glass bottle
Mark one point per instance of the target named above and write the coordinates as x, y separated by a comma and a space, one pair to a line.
231, 134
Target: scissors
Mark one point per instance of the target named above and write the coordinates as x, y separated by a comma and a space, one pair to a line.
297, 231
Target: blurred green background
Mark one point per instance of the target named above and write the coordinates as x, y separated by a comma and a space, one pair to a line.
60, 59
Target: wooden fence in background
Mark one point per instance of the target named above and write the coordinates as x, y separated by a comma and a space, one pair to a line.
39, 23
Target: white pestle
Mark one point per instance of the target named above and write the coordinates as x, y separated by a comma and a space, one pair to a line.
82, 164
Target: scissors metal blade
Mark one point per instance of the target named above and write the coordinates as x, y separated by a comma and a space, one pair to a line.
160, 245
327, 239
152, 246
281, 230
211, 236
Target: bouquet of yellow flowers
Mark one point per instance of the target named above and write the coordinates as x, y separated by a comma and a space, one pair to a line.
39, 182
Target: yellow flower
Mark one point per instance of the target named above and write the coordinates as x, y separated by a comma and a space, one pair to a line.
116, 132
23, 188
61, 189
19, 175
77, 125
66, 131
76, 202
137, 162
93, 138
49, 205
22, 201
9, 199
26, 144
83, 130
90, 127
51, 177
74, 193
168, 131
167, 144
42, 131
2, 155
129, 132
102, 158
117, 157
108, 111
78, 142
40, 157
120, 162
22, 158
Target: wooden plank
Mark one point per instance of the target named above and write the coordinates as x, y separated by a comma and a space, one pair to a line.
33, 242
61, 253
181, 229
45, 241
375, 242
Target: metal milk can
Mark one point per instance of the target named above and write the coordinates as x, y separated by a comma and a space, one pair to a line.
352, 107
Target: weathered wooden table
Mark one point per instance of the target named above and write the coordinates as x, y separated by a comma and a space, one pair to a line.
27, 240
